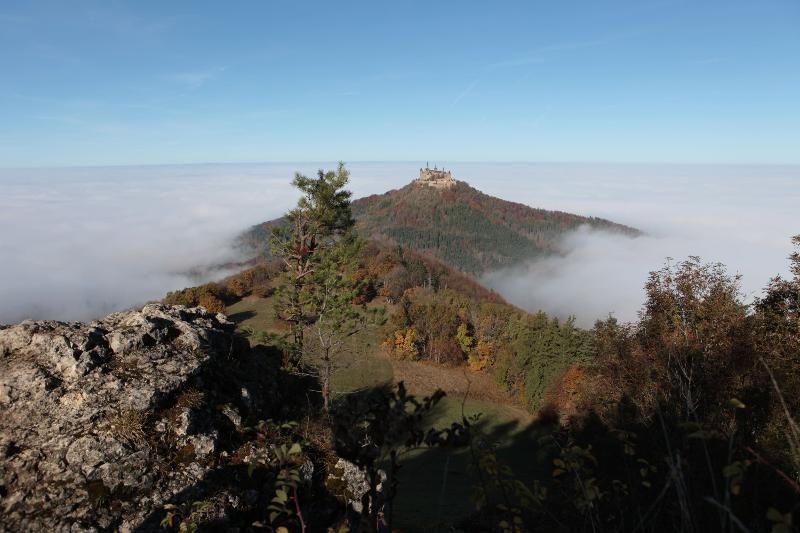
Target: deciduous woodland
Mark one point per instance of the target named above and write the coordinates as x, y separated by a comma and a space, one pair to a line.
465, 413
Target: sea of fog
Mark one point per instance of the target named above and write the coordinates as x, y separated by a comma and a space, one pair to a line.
78, 243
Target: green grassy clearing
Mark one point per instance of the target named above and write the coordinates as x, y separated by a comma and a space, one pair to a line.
256, 315
435, 484
360, 367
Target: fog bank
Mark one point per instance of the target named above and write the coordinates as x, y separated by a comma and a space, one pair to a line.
741, 216
78, 243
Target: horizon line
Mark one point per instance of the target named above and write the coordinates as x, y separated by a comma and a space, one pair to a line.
403, 161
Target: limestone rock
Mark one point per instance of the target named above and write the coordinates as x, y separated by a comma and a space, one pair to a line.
349, 483
102, 424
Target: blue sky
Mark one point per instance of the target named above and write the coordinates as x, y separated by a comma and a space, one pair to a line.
151, 82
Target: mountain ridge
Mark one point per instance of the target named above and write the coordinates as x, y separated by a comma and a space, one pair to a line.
458, 225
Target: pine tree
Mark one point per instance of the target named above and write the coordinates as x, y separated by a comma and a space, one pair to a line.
322, 215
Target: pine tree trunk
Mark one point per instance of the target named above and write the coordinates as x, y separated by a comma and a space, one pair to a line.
326, 395
297, 350
327, 371
297, 326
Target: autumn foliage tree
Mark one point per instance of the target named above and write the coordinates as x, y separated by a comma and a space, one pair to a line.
684, 420
695, 324
777, 338
212, 296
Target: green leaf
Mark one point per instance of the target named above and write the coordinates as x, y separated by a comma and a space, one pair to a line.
735, 403
295, 449
281, 495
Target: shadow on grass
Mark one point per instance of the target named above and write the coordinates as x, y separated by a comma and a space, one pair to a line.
241, 316
437, 485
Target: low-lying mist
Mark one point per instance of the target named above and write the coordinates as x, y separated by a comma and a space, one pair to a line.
81, 242
742, 217
78, 243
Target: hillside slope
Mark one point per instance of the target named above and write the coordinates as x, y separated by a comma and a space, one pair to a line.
466, 228
459, 225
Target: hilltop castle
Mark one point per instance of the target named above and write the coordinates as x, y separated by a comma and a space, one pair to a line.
439, 179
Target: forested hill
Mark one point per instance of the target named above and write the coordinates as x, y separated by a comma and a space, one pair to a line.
460, 225
466, 228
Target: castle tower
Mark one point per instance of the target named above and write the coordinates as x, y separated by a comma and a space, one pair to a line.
439, 179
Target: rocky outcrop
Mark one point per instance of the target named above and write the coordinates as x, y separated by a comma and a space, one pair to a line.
108, 425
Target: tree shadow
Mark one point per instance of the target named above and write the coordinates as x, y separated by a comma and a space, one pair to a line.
241, 316
655, 473
436, 478
437, 486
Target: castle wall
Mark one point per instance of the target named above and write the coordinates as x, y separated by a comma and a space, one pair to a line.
435, 178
